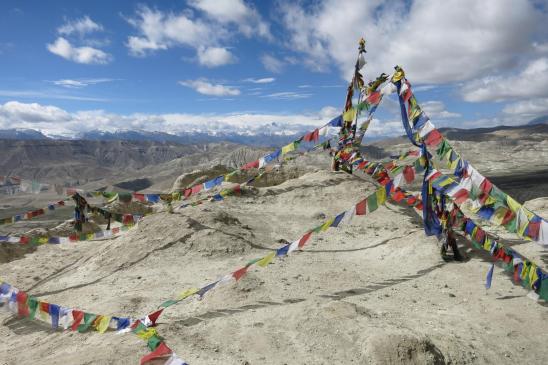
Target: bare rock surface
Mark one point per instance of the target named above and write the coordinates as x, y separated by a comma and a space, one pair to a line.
375, 291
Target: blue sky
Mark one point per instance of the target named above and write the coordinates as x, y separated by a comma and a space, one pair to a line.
67, 66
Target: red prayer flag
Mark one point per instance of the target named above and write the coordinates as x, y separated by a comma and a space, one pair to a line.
460, 196
22, 307
139, 197
486, 186
533, 230
187, 193
153, 317
408, 174
197, 188
24, 240
407, 94
44, 307
398, 196
374, 98
304, 239
239, 273
507, 217
77, 317
162, 352
433, 138
250, 165
516, 274
361, 207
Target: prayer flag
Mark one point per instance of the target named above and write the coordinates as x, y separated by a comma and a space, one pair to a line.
267, 259
489, 277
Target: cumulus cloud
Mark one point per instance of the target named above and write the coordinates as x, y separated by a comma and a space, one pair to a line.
85, 55
272, 63
80, 26
436, 110
52, 120
215, 22
529, 83
237, 12
15, 112
160, 31
214, 56
88, 53
205, 87
435, 41
528, 108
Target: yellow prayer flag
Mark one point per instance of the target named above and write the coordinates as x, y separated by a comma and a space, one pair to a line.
530, 215
512, 204
266, 260
381, 195
524, 272
288, 148
42, 240
446, 182
187, 293
349, 115
398, 75
487, 244
326, 225
490, 200
103, 323
148, 333
533, 275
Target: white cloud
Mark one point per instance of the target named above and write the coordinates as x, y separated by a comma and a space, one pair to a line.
246, 18
436, 110
434, 41
214, 23
81, 83
80, 26
214, 56
287, 95
52, 120
265, 80
529, 83
160, 31
85, 55
205, 87
528, 108
15, 112
272, 64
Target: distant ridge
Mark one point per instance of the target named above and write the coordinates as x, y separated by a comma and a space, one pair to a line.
540, 120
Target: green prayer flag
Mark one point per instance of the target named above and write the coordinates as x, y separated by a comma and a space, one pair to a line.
153, 342
543, 292
33, 305
89, 318
372, 202
168, 303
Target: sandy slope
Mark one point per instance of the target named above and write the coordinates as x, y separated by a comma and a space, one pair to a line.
375, 291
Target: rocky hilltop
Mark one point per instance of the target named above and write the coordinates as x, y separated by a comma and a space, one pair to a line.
375, 291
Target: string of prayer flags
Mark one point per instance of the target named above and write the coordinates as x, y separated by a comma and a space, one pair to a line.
40, 240
471, 179
34, 213
26, 305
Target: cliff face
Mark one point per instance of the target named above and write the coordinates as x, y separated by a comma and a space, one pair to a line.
83, 159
